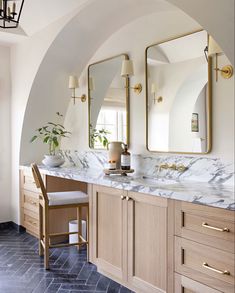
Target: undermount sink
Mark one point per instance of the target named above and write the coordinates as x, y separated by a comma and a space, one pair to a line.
155, 181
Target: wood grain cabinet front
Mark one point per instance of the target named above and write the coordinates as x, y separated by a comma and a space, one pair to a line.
186, 285
204, 247
109, 231
130, 239
207, 225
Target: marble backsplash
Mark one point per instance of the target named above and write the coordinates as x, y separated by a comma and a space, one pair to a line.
201, 169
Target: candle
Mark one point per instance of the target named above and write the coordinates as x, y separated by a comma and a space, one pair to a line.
0, 4
14, 7
8, 11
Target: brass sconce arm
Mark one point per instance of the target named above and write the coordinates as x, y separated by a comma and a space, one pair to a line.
137, 88
82, 98
226, 71
158, 99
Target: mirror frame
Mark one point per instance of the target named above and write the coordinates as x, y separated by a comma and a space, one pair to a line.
209, 99
127, 83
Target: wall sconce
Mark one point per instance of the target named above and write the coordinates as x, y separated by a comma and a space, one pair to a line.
154, 91
73, 85
214, 49
91, 84
128, 70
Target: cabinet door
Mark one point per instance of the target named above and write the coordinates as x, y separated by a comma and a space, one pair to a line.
147, 243
186, 285
109, 213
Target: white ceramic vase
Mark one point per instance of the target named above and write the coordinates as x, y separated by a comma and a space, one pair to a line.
53, 160
115, 149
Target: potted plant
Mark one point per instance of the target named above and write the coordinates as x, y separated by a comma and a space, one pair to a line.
51, 134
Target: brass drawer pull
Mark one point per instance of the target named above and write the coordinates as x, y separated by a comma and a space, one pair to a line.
122, 197
33, 203
205, 265
205, 225
128, 198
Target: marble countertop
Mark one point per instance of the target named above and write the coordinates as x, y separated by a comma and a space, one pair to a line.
215, 195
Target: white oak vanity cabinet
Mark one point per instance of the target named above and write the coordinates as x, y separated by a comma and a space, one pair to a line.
204, 249
132, 238
147, 243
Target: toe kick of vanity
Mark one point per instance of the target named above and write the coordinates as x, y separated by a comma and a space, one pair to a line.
147, 243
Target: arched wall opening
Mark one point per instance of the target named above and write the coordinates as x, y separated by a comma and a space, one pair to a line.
87, 38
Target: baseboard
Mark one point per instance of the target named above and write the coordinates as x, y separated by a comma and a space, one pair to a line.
13, 226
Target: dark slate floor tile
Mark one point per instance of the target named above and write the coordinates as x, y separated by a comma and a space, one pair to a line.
103, 283
93, 278
22, 269
53, 288
125, 290
113, 287
42, 286
78, 287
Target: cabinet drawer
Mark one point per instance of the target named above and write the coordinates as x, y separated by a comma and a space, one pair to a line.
211, 226
186, 285
27, 180
31, 223
210, 266
31, 201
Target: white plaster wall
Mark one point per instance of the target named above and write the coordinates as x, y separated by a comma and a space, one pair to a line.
215, 16
27, 57
5, 138
171, 24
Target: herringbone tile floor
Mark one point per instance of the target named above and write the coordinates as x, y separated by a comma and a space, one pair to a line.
21, 269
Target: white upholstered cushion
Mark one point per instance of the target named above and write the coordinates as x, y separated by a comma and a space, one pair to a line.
67, 197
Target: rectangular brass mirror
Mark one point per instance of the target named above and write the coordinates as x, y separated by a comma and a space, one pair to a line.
108, 100
178, 95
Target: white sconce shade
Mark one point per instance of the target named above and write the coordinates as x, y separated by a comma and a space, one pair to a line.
127, 68
213, 47
91, 84
73, 82
153, 88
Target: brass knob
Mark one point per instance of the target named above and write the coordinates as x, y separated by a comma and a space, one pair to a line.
128, 198
122, 197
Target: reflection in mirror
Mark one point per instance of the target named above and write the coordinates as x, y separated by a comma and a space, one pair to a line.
108, 102
178, 95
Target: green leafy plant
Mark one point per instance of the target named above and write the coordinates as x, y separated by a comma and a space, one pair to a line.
98, 136
51, 134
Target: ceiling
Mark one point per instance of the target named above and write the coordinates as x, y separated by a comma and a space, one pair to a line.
36, 15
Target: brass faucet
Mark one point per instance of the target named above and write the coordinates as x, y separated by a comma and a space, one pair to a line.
180, 168
163, 166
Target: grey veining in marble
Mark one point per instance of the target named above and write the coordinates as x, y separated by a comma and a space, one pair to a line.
200, 169
203, 182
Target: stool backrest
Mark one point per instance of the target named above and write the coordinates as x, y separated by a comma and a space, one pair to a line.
38, 181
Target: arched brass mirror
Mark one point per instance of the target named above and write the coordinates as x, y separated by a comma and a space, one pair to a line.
178, 95
108, 98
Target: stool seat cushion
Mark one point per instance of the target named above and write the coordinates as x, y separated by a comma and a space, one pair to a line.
67, 197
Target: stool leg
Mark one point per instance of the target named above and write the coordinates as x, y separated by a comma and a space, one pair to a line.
40, 230
87, 233
78, 219
46, 235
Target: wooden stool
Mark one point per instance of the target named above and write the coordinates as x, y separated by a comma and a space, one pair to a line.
58, 200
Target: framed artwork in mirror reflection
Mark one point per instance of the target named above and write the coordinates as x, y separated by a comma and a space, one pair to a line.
195, 122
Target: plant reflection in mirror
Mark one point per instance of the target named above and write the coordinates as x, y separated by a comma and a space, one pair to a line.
98, 136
